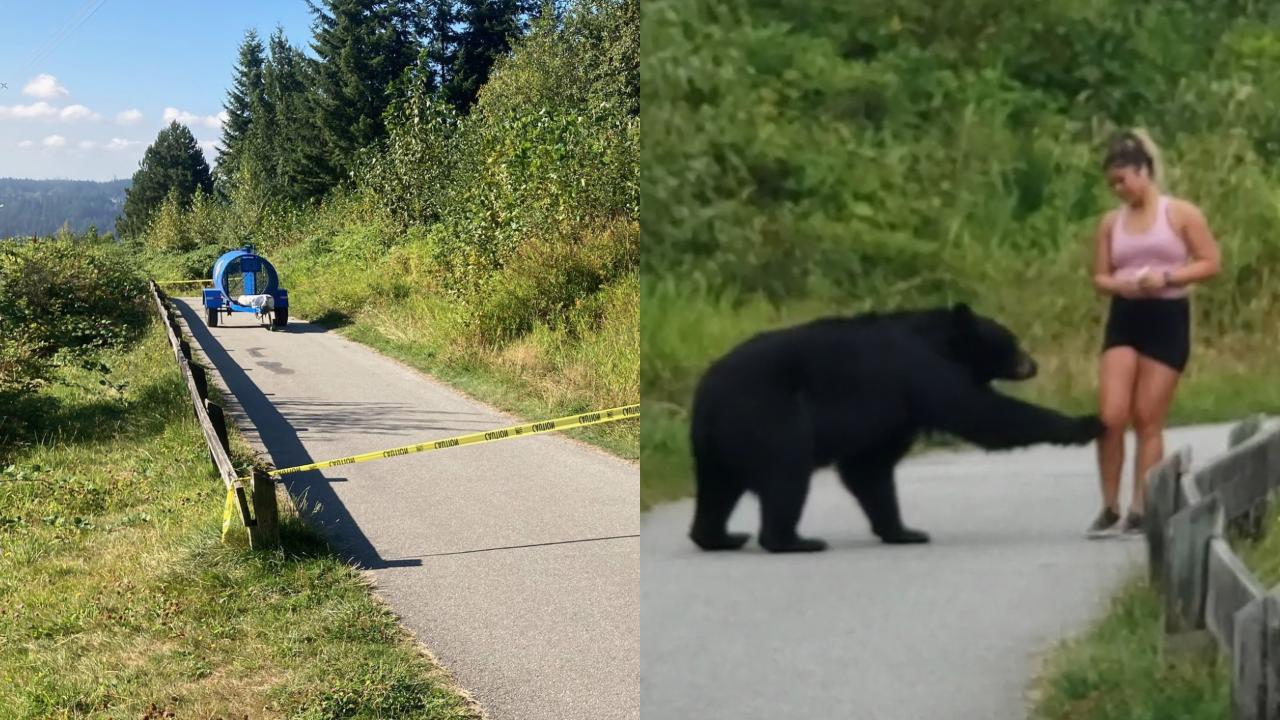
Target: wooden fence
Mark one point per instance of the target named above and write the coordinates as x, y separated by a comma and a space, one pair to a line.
263, 521
1211, 597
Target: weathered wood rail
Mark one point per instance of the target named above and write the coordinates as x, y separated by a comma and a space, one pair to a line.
263, 521
1212, 599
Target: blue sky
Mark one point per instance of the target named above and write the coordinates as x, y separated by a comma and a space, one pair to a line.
84, 101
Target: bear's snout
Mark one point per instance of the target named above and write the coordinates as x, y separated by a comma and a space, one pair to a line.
1026, 368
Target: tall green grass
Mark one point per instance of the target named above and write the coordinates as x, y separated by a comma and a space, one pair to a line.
1119, 670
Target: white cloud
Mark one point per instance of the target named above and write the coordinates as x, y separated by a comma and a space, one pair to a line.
26, 144
78, 112
44, 111
54, 141
189, 118
129, 117
87, 144
45, 87
27, 112
121, 144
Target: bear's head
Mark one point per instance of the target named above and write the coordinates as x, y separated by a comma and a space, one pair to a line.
988, 349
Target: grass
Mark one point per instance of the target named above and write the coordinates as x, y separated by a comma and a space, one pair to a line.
1117, 670
118, 600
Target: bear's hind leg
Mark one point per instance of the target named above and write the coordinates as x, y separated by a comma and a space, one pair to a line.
715, 502
873, 485
781, 502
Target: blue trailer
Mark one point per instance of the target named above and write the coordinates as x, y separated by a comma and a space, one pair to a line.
244, 281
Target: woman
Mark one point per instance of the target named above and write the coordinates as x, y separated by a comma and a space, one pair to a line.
1148, 252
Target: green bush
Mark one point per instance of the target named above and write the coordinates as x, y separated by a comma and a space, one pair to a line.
798, 149
63, 300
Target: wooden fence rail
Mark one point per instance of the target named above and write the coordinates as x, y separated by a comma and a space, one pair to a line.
1209, 593
262, 522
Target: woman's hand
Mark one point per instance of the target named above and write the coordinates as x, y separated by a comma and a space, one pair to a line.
1150, 282
1129, 290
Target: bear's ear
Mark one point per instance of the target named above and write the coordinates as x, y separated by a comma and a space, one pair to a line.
961, 311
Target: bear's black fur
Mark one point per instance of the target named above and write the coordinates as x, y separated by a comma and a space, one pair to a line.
854, 392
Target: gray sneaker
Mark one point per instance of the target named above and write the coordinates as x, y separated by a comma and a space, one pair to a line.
1132, 524
1104, 524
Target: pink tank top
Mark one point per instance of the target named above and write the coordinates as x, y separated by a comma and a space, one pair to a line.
1158, 249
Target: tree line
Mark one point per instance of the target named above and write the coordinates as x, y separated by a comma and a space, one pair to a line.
297, 126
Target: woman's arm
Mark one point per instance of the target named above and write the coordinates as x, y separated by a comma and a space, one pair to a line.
1103, 280
1206, 258
1201, 244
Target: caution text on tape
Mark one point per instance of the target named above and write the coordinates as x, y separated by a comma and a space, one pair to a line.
534, 428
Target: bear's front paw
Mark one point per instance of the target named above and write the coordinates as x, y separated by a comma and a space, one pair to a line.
1086, 429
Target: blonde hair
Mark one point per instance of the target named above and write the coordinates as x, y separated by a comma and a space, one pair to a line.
1135, 148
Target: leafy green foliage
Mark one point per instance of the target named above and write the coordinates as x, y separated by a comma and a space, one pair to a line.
550, 149
796, 148
63, 300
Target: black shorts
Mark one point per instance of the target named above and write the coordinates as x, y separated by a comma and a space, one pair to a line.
1157, 328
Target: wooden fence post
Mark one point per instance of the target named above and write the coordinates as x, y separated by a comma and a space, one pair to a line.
1161, 504
1271, 655
1249, 662
1245, 429
202, 383
1186, 564
266, 533
219, 422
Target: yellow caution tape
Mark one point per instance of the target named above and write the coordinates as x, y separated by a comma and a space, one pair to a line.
564, 423
229, 508
183, 282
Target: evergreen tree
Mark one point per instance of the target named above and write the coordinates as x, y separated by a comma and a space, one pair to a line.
290, 137
173, 162
435, 27
245, 104
364, 46
490, 27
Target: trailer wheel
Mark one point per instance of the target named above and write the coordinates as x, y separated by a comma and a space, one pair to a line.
211, 317
281, 317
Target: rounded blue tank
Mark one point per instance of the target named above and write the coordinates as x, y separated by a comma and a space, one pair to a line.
244, 281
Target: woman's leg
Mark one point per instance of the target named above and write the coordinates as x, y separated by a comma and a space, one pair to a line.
1156, 384
1116, 375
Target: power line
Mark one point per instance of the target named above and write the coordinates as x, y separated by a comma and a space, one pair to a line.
78, 18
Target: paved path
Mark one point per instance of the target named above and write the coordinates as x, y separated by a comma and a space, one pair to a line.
947, 631
517, 563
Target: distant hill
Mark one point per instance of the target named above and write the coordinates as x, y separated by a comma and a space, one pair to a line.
40, 207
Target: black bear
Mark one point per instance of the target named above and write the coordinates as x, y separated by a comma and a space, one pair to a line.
854, 391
